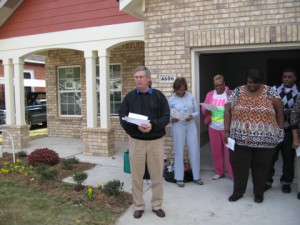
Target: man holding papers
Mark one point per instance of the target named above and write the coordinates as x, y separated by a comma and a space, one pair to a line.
144, 114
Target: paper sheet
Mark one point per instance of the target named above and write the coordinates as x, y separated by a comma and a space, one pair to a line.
298, 151
210, 107
178, 115
230, 144
136, 119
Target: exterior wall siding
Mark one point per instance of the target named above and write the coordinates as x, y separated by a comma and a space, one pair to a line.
35, 17
174, 27
129, 55
39, 73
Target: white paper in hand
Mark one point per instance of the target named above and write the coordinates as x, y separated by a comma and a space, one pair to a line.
298, 151
178, 115
210, 107
230, 144
136, 119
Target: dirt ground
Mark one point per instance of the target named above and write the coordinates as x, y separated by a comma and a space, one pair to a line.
66, 192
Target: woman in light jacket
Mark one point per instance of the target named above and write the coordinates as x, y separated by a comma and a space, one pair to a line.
184, 110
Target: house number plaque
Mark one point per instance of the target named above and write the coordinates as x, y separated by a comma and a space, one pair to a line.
166, 78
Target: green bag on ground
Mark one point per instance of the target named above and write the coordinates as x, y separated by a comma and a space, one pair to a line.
126, 162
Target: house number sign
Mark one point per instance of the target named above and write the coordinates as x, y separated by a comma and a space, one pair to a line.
167, 78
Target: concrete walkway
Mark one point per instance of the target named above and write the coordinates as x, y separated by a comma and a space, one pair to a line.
193, 204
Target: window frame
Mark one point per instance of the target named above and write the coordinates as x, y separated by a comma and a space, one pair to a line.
64, 91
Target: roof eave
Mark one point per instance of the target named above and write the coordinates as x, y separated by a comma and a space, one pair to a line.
133, 7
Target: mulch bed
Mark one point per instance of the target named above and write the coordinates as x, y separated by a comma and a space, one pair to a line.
66, 192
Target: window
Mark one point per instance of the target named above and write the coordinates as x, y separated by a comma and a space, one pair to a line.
115, 88
69, 90
28, 75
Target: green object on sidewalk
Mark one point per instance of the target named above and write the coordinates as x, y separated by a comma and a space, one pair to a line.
126, 162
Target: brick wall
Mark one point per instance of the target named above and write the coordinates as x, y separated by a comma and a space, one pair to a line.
129, 55
174, 27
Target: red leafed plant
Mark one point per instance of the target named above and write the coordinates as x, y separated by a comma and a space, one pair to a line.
43, 155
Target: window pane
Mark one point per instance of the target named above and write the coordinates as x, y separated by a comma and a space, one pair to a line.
69, 88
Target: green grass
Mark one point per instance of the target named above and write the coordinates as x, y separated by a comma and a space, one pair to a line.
22, 205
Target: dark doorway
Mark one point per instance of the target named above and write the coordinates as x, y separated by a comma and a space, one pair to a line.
234, 66
276, 66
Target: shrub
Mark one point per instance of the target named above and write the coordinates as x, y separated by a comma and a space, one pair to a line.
40, 168
43, 155
44, 172
68, 163
21, 154
113, 187
48, 175
79, 178
73, 160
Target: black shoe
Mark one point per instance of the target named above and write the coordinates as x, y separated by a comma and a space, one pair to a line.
298, 196
258, 198
286, 188
159, 212
138, 214
268, 186
234, 197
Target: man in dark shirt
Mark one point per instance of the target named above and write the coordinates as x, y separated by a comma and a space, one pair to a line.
288, 92
146, 140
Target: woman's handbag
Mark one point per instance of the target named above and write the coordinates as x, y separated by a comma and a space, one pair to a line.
126, 162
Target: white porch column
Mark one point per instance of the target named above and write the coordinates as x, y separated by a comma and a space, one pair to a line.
91, 97
9, 92
104, 88
19, 90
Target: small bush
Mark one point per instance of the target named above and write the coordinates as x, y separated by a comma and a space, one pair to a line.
68, 163
21, 154
113, 187
80, 177
48, 175
43, 155
40, 168
73, 160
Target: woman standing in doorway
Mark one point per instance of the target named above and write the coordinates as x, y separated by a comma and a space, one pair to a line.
254, 120
215, 120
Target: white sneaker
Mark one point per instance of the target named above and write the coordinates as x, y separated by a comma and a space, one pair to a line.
217, 177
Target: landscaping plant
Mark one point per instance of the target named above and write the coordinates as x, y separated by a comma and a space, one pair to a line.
113, 187
43, 155
79, 177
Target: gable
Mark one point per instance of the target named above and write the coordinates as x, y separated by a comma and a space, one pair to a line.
36, 17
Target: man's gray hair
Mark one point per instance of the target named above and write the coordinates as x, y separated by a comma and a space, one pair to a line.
143, 68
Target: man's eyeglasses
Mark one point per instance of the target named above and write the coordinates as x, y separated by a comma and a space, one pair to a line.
139, 77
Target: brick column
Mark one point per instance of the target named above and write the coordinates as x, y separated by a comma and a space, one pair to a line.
19, 135
98, 141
